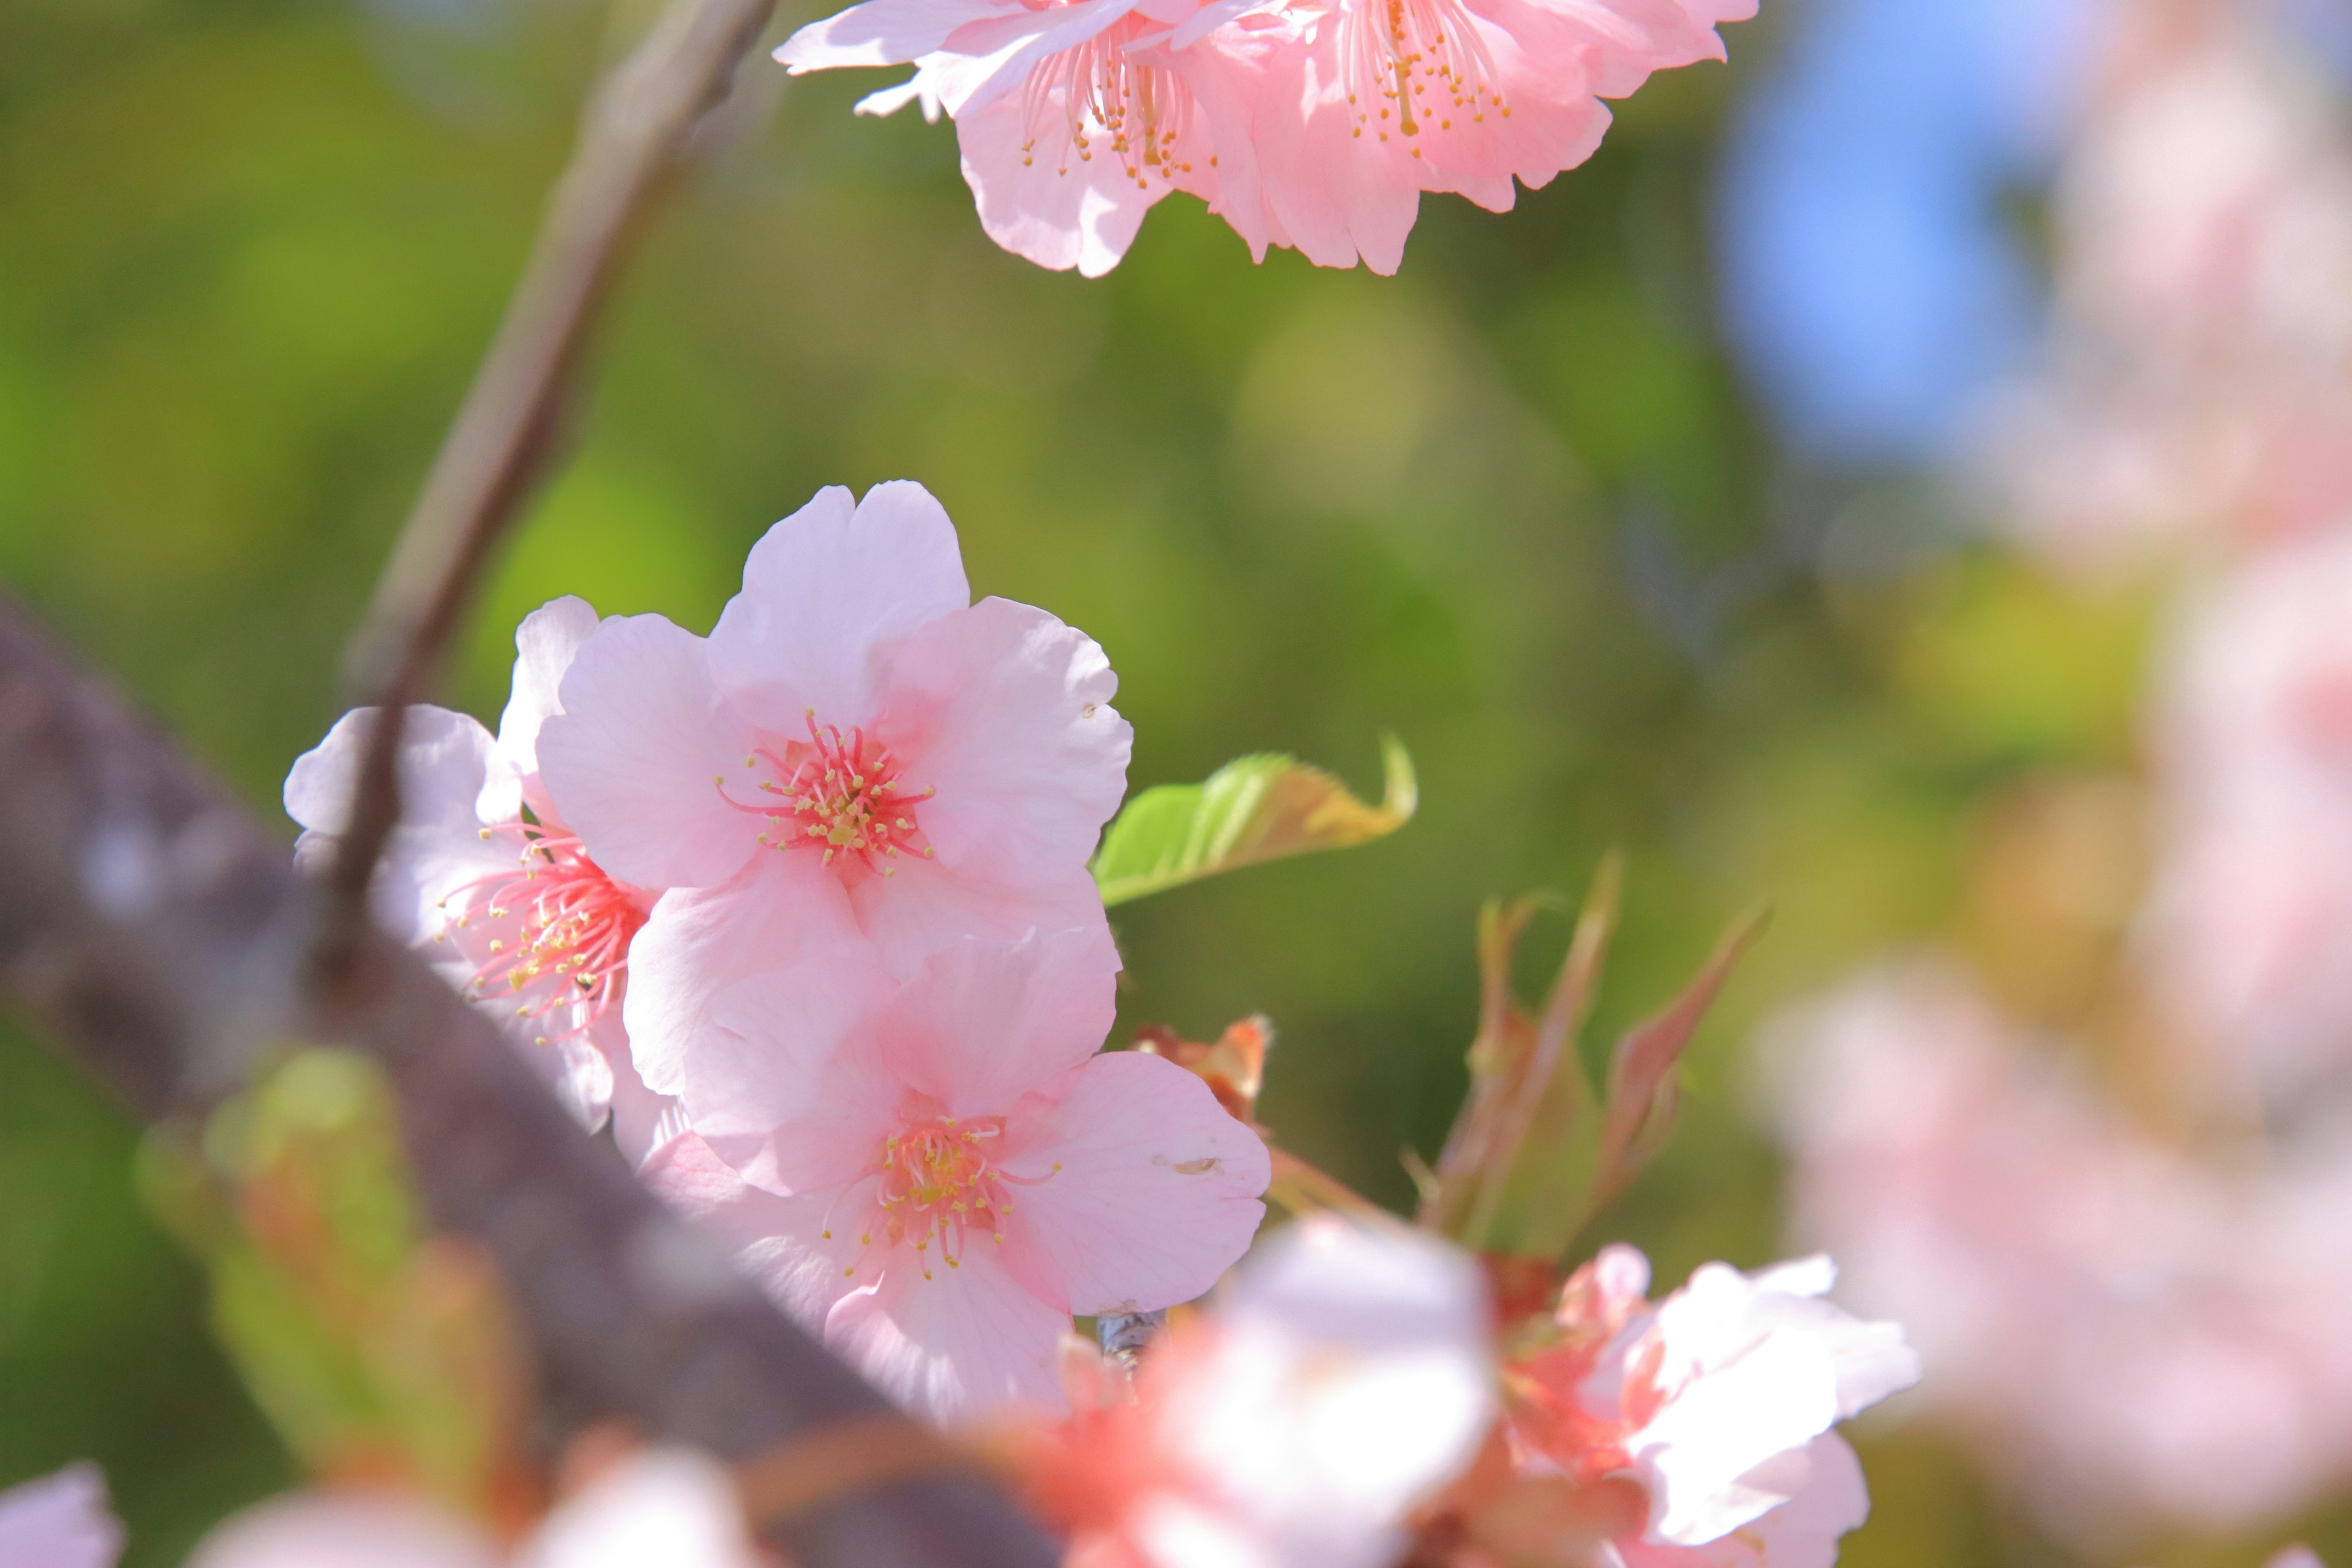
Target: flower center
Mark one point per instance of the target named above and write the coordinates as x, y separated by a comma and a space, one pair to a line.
1412, 62
941, 1183
1140, 110
554, 934
839, 796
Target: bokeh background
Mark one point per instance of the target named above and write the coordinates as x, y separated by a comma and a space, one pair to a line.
1650, 515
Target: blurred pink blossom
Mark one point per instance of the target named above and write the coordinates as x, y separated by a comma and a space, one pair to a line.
59, 1521
1342, 1378
2128, 1337
2197, 381
857, 751
483, 876
1313, 124
1719, 1402
667, 1506
2248, 932
937, 1175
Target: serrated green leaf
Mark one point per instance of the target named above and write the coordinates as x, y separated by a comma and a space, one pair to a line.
1252, 810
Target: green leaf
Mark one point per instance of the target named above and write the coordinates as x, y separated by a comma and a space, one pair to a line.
1252, 809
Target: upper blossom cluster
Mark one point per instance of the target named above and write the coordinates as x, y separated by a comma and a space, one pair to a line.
806, 902
1310, 123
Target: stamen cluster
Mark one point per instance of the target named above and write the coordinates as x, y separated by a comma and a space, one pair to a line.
573, 925
838, 795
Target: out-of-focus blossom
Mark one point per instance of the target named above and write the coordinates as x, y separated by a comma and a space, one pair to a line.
1719, 1404
2126, 1336
1343, 1378
483, 875
857, 751
59, 1521
2197, 378
2248, 928
937, 1175
1313, 124
671, 1507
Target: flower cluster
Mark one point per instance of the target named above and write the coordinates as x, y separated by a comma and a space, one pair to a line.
1310, 123
806, 901
1352, 1402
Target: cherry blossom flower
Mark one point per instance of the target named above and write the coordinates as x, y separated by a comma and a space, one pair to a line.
59, 1521
1342, 1379
856, 752
937, 1175
2123, 1333
483, 875
1313, 124
2248, 932
1719, 1403
668, 1506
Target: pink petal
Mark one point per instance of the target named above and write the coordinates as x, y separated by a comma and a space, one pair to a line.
673, 1507
787, 1083
924, 908
437, 847
880, 32
1827, 1499
701, 939
983, 1023
544, 645
962, 1345
1337, 195
633, 760
781, 1243
343, 1529
822, 590
1156, 1196
59, 1521
1046, 203
1006, 712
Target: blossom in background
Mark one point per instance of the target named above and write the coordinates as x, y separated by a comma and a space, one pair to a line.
59, 1521
937, 1175
484, 876
2124, 1334
2195, 384
1313, 124
1719, 1404
668, 1506
2248, 932
1343, 1378
856, 752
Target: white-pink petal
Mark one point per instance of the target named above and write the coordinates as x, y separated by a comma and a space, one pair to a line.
1149, 1189
59, 1520
825, 591
954, 1343
635, 759
984, 1023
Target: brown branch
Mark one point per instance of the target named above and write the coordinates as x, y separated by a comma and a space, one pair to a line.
632, 140
159, 932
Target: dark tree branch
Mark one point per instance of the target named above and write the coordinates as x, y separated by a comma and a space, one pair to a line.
632, 141
159, 933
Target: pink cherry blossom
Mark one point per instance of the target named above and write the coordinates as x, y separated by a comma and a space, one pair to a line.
2124, 1334
668, 1506
484, 876
1313, 124
1719, 1401
1341, 1381
59, 1521
2249, 929
937, 1173
857, 751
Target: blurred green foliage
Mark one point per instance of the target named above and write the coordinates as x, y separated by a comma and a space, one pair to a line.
1511, 505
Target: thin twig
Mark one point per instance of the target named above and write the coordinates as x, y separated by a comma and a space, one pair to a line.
159, 933
633, 140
